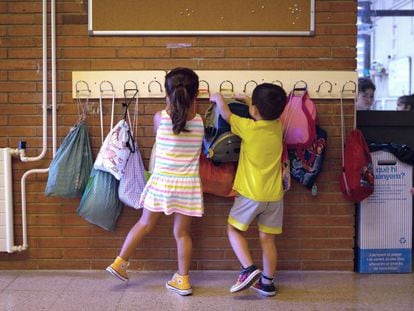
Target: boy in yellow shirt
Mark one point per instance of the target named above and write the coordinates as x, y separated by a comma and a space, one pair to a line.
258, 183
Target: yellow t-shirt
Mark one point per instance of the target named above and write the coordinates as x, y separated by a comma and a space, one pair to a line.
259, 172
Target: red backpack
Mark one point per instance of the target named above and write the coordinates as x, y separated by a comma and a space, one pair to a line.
357, 179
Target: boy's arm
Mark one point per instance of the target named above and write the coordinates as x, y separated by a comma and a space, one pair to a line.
243, 98
224, 109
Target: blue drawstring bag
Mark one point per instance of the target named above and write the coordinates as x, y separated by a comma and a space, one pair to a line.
100, 204
70, 168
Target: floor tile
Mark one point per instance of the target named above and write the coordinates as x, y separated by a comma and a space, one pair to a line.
297, 290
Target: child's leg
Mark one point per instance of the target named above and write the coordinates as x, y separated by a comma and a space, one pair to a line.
248, 272
269, 249
240, 246
180, 282
144, 226
243, 212
182, 227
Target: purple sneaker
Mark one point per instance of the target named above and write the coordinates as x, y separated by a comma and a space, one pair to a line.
246, 278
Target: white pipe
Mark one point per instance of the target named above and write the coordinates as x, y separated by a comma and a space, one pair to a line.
23, 158
53, 46
25, 245
44, 106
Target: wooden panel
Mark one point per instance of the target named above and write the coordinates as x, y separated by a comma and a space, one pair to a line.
150, 83
193, 17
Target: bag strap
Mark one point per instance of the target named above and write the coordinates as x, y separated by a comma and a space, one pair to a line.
290, 112
311, 123
343, 118
106, 93
82, 106
132, 125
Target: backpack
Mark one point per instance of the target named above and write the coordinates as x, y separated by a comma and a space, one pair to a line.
299, 121
357, 179
306, 163
217, 179
219, 143
286, 179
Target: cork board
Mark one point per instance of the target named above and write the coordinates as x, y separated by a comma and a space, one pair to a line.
195, 17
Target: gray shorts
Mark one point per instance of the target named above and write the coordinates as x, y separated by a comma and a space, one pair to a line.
269, 215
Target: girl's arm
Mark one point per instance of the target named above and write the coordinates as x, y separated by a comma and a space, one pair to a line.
157, 120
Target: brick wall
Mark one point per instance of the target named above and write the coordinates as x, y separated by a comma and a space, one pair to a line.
318, 231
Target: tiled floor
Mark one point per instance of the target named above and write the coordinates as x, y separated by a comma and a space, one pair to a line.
97, 290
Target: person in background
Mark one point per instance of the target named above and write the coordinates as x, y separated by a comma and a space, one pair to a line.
174, 187
258, 183
405, 103
366, 92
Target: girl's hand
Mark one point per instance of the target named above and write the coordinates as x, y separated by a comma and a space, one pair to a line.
216, 98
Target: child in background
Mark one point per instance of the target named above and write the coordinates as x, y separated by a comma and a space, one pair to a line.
258, 183
366, 92
405, 103
174, 186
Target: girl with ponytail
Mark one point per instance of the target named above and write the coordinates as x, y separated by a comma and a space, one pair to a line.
174, 187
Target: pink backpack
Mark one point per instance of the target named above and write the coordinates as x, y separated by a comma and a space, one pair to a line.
299, 121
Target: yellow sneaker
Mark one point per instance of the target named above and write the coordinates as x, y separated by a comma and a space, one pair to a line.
118, 269
180, 284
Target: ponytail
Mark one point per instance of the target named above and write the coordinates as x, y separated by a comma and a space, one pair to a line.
179, 103
181, 85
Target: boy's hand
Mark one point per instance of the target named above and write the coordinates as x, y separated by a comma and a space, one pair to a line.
221, 105
243, 98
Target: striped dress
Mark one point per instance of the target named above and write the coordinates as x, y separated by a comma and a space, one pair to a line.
174, 186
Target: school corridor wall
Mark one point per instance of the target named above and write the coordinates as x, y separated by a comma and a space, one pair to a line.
319, 231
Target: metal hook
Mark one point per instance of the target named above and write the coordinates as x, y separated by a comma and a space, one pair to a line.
129, 100
154, 81
126, 90
206, 89
82, 90
320, 85
226, 81
277, 82
102, 89
245, 85
295, 88
82, 107
207, 85
345, 84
